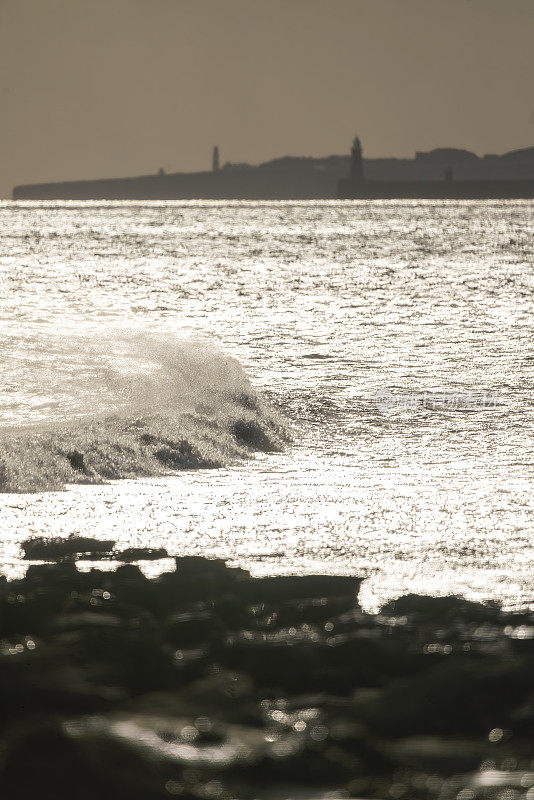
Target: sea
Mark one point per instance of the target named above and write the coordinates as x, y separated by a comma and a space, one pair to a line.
339, 387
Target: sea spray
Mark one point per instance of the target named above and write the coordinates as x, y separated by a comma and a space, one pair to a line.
127, 405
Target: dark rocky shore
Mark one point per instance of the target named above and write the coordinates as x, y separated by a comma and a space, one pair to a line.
207, 683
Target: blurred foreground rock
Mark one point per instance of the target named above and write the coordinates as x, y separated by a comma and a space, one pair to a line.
208, 683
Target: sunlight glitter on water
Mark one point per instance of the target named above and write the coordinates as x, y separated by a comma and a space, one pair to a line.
326, 306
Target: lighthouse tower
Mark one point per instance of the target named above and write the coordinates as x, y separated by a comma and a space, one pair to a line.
356, 163
215, 162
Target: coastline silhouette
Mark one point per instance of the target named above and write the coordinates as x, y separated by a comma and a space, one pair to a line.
447, 173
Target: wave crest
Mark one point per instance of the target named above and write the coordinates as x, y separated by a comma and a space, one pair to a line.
161, 405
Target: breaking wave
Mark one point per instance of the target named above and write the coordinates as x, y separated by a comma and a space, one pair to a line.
129, 406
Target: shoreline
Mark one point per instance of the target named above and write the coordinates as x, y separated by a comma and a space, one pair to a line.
207, 682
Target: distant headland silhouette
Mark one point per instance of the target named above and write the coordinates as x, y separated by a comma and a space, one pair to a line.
474, 184
440, 173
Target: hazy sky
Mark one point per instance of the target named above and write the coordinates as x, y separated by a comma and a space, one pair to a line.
97, 88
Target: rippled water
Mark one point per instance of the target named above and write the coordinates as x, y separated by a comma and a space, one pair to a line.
396, 336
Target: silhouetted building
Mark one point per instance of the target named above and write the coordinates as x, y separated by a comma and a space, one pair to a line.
356, 162
357, 187
305, 178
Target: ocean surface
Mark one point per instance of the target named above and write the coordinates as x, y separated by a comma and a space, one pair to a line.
341, 387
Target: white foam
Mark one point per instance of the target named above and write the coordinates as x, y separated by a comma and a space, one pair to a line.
128, 403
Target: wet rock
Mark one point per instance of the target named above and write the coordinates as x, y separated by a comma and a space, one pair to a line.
193, 628
207, 683
300, 587
51, 575
199, 567
440, 610
221, 694
434, 754
42, 761
522, 717
83, 621
43, 549
27, 605
141, 554
461, 696
131, 587
184, 741
199, 579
